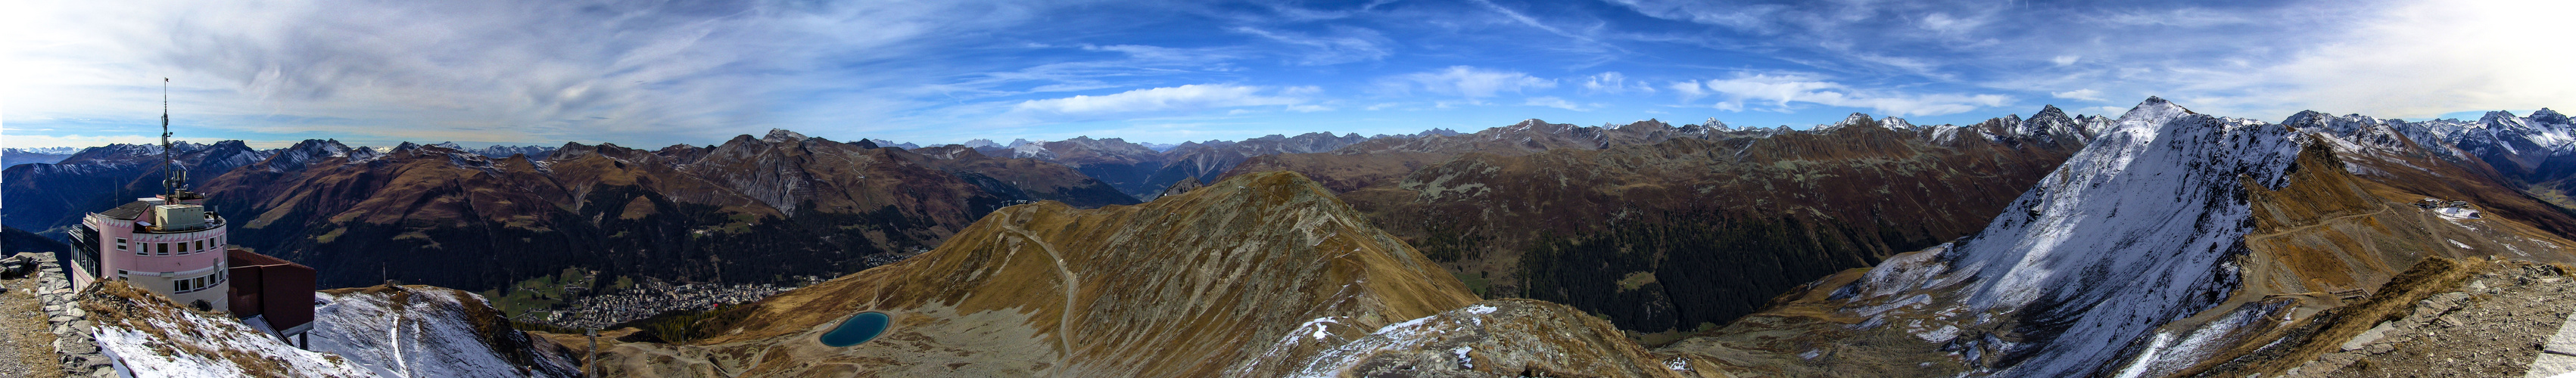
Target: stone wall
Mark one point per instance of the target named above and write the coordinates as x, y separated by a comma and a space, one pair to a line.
78, 352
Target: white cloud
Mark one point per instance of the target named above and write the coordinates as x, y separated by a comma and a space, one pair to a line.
2064, 59
2079, 94
1754, 17
1689, 90
1613, 83
427, 71
1181, 99
2424, 59
1779, 91
1343, 45
1559, 103
1469, 82
1943, 22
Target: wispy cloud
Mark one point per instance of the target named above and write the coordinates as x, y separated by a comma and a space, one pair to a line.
1342, 45
1780, 92
1468, 82
1181, 99
2079, 94
1559, 103
1614, 82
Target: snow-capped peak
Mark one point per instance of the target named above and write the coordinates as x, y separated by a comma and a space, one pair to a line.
1714, 124
1894, 123
2135, 230
1855, 119
2151, 114
2546, 116
782, 136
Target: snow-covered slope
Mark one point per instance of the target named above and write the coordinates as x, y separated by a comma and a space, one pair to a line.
148, 336
423, 331
2083, 277
2136, 230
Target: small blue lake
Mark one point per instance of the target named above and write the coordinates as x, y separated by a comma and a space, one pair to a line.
857, 329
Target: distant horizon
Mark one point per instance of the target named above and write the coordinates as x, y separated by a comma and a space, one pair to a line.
2472, 115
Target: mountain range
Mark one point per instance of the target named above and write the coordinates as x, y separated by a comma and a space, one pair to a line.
2160, 242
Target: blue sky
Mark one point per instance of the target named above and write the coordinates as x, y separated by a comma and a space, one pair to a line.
657, 73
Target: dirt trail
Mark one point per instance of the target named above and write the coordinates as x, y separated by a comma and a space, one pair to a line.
1064, 324
26, 345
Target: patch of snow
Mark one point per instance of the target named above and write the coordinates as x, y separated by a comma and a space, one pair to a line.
1942, 335
1480, 309
428, 335
1463, 360
189, 345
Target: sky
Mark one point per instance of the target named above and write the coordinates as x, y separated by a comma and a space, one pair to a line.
649, 74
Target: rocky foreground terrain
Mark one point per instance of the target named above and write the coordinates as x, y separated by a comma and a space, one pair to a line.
2497, 319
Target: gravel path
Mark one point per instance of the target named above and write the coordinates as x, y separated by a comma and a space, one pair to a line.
26, 346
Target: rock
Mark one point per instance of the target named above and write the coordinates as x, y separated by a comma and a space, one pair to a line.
75, 312
2367, 337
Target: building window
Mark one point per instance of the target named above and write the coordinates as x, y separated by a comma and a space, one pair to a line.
201, 245
165, 249
120, 244
120, 274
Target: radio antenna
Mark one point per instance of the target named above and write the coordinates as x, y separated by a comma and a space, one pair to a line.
176, 177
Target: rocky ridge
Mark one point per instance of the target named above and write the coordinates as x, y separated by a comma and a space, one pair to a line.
2252, 232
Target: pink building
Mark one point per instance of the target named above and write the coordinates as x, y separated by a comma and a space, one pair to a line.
166, 244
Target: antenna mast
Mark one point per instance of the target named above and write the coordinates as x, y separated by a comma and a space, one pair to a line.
176, 177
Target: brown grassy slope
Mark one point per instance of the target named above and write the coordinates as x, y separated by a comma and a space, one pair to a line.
2332, 237
1785, 210
1183, 286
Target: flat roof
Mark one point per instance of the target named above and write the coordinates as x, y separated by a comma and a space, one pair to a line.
127, 212
241, 258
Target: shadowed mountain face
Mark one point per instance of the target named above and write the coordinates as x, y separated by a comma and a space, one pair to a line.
1661, 227
750, 210
13, 241
45, 197
1143, 172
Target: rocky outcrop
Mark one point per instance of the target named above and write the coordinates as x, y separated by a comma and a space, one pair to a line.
1504, 337
79, 353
